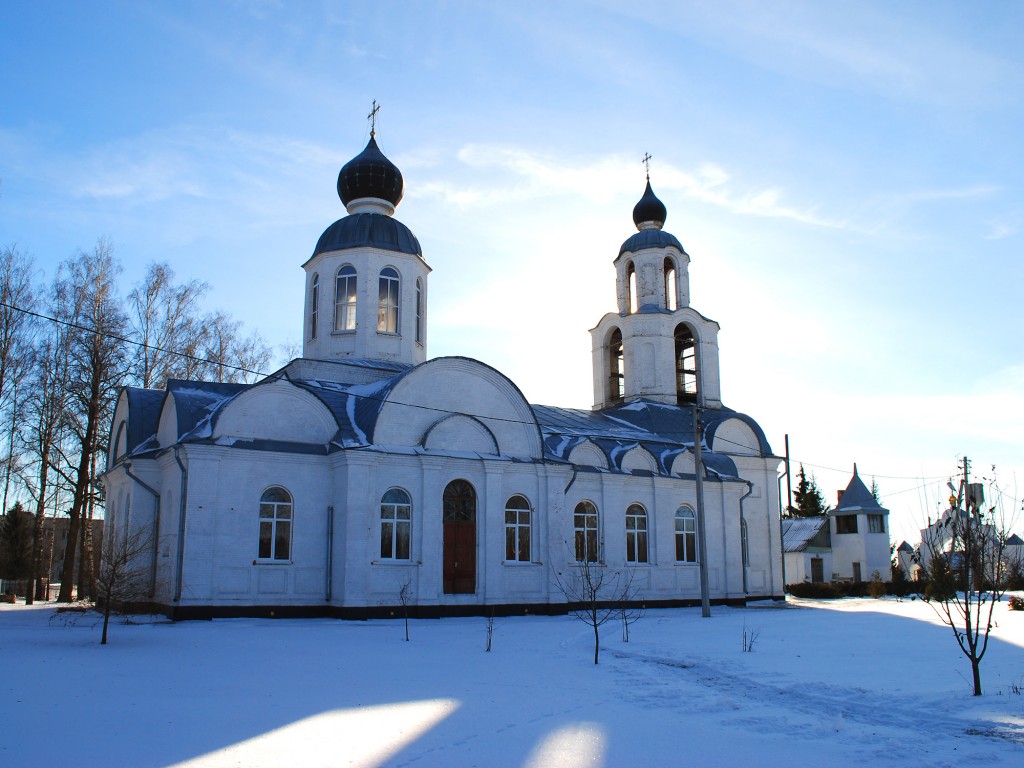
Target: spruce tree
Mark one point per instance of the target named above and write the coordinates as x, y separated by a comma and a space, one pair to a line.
807, 498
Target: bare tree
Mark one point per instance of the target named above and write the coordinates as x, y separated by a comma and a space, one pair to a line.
166, 321
630, 610
44, 427
968, 569
123, 578
594, 593
17, 324
404, 596
229, 356
86, 302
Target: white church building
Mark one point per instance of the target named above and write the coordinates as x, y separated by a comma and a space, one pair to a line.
364, 466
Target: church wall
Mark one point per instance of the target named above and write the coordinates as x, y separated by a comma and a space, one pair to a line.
221, 563
764, 534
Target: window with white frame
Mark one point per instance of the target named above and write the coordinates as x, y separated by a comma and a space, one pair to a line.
636, 534
275, 524
314, 306
419, 311
585, 525
517, 529
686, 535
345, 299
387, 305
395, 525
876, 523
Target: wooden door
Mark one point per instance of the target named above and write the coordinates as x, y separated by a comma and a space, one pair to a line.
817, 570
459, 576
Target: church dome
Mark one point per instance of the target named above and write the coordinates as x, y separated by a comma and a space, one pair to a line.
370, 175
650, 212
650, 238
368, 229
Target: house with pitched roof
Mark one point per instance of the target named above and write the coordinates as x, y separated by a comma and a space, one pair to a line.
850, 543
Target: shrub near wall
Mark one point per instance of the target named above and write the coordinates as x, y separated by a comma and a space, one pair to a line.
820, 590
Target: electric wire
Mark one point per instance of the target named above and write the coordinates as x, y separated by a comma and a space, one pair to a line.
383, 400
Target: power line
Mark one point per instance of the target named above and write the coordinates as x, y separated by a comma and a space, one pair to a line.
241, 369
134, 342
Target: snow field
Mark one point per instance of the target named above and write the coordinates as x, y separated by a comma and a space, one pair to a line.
849, 682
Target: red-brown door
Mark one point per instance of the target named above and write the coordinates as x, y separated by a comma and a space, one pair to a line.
459, 538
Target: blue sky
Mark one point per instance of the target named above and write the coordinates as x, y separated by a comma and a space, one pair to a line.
846, 177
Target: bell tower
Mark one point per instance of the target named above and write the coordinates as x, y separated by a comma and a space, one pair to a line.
656, 347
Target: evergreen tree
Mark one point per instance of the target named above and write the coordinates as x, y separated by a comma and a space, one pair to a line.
16, 544
808, 499
875, 492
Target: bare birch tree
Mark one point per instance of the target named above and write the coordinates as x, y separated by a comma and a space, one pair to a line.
87, 304
166, 321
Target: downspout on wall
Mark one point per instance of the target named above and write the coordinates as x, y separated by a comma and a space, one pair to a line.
156, 526
181, 528
744, 544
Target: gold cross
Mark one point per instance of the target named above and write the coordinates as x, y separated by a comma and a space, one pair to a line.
647, 164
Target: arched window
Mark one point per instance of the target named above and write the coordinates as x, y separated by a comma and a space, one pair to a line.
631, 287
517, 529
345, 299
275, 524
314, 306
670, 285
686, 535
686, 366
616, 368
387, 305
419, 311
636, 534
585, 525
395, 525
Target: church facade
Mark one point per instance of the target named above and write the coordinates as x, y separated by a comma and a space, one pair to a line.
365, 474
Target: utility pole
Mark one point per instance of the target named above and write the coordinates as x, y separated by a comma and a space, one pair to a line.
789, 482
702, 545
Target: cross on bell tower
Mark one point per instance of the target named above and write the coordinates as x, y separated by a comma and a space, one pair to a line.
647, 164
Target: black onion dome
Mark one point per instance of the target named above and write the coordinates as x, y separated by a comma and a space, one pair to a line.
650, 208
370, 174
368, 229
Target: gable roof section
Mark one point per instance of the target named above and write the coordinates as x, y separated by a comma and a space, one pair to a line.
798, 532
857, 498
143, 415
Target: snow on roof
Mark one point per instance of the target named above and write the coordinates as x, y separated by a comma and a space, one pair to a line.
797, 532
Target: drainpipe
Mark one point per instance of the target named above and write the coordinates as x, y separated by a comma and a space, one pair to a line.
330, 550
181, 527
744, 550
156, 526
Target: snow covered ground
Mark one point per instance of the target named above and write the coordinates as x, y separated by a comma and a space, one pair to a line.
850, 682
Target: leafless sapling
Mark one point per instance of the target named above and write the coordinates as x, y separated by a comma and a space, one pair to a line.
404, 596
123, 578
594, 593
968, 566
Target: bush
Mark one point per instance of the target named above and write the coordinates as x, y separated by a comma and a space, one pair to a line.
819, 590
1016, 603
877, 588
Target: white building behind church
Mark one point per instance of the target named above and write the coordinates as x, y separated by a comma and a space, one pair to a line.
364, 466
